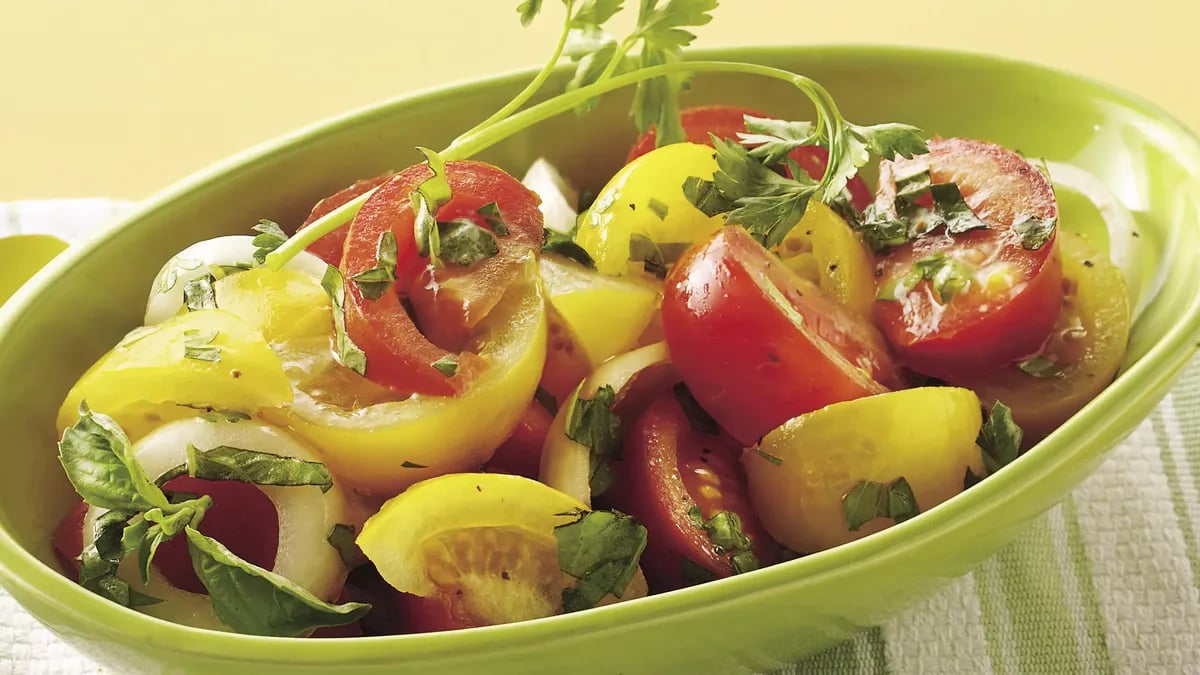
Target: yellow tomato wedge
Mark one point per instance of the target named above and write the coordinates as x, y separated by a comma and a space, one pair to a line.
646, 198
823, 249
801, 471
368, 438
566, 363
565, 464
486, 539
149, 379
605, 314
1085, 349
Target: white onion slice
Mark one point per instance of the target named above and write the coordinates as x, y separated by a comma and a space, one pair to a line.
558, 197
1124, 247
166, 293
306, 516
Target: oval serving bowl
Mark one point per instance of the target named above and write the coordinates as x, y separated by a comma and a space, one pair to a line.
79, 306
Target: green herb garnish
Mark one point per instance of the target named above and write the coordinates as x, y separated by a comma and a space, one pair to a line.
258, 468
198, 345
447, 365
593, 424
465, 243
270, 237
198, 293
871, 499
601, 549
999, 438
348, 353
1034, 232
1039, 366
341, 538
373, 283
725, 532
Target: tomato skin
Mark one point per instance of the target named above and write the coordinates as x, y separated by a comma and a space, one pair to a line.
447, 302
433, 614
667, 469
727, 121
329, 247
980, 330
521, 453
68, 539
753, 362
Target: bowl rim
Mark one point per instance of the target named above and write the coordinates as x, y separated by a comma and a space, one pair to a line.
1160, 364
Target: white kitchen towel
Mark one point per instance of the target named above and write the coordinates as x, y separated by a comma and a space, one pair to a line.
1107, 582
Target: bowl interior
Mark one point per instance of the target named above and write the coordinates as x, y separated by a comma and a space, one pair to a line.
87, 299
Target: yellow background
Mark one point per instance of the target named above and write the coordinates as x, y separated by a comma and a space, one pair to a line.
122, 97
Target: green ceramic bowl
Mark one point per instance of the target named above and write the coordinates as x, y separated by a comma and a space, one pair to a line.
81, 304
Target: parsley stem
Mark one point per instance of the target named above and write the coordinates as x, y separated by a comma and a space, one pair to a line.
484, 137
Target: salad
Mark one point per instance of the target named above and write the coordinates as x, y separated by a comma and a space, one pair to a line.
454, 398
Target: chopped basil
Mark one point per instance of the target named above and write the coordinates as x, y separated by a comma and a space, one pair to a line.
970, 479
255, 601
171, 271
704, 195
564, 245
198, 345
913, 182
100, 577
999, 438
1039, 366
348, 353
695, 573
270, 237
655, 257
259, 468
412, 465
341, 538
154, 527
546, 399
880, 231
777, 461
222, 271
949, 202
773, 139
601, 549
947, 277
465, 243
697, 416
491, 215
658, 208
373, 283
198, 293
447, 365
871, 499
430, 196
1034, 232
725, 532
593, 424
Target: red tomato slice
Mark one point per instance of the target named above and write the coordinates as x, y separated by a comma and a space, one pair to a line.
329, 247
448, 301
521, 453
726, 121
242, 518
1015, 294
667, 469
68, 539
430, 615
759, 345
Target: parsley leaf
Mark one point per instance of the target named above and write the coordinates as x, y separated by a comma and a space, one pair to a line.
999, 438
465, 243
871, 499
270, 237
593, 424
529, 10
767, 204
662, 31
198, 345
198, 293
890, 140
373, 283
348, 353
601, 549
704, 195
954, 209
774, 139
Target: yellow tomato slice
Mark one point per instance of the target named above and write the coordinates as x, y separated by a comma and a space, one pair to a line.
147, 379
825, 250
646, 198
487, 539
605, 314
367, 437
801, 471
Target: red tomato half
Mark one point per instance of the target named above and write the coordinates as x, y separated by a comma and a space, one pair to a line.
329, 247
521, 453
726, 121
759, 345
667, 469
68, 539
447, 301
1014, 295
430, 615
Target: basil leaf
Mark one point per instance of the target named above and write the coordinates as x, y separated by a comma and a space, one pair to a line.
255, 601
593, 424
771, 140
341, 538
1034, 232
98, 459
373, 283
999, 438
198, 293
1039, 366
902, 503
879, 231
704, 195
348, 353
655, 257
912, 183
601, 549
954, 209
657, 208
695, 573
198, 345
465, 243
564, 245
546, 399
697, 416
100, 577
871, 499
260, 468
724, 530
447, 365
270, 237
108, 534
947, 277
491, 215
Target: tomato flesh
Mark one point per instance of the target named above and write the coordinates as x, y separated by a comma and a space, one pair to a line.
1014, 297
241, 517
668, 468
758, 345
329, 247
521, 453
727, 121
447, 301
